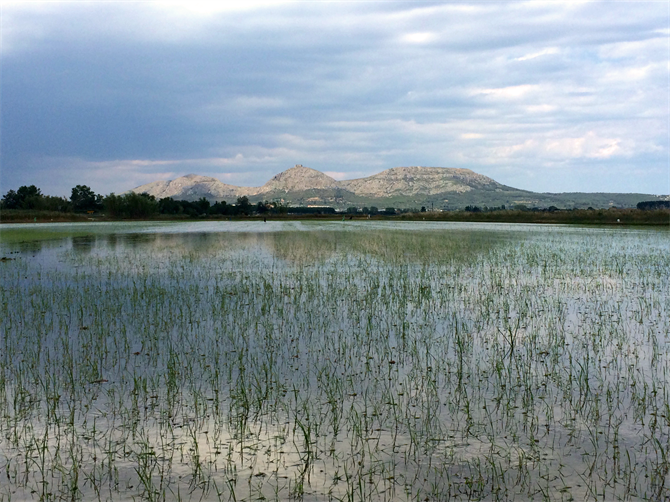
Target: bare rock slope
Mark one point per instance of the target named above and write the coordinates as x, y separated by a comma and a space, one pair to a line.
297, 179
443, 187
399, 181
190, 187
410, 181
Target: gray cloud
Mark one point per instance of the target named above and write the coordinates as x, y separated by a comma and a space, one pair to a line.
542, 96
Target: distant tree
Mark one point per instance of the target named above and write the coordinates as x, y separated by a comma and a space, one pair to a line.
131, 205
31, 197
85, 199
243, 206
310, 210
29, 191
653, 204
374, 210
190, 208
26, 197
112, 205
202, 206
352, 210
219, 207
11, 200
50, 203
390, 210
281, 207
140, 205
423, 209
168, 205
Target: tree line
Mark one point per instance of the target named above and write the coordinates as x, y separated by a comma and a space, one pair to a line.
142, 205
650, 205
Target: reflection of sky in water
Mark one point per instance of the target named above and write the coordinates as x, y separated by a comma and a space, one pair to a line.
33, 238
405, 335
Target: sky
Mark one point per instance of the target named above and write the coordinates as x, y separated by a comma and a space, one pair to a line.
543, 96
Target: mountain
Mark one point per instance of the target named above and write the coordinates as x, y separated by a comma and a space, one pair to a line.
190, 187
298, 178
411, 181
406, 187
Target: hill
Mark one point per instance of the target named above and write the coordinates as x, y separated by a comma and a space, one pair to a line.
406, 187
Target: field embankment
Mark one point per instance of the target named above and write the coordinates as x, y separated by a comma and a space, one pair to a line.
575, 216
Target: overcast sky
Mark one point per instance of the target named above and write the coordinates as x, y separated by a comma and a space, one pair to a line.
544, 96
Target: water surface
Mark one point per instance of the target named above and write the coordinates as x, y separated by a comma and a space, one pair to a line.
334, 360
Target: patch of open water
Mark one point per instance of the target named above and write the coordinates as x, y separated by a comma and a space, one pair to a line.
331, 361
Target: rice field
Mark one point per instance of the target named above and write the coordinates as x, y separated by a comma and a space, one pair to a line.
318, 361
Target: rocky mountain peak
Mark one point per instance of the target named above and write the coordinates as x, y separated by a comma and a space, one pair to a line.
298, 178
418, 180
398, 181
196, 178
408, 186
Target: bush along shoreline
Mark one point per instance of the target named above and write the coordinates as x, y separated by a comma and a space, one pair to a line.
28, 204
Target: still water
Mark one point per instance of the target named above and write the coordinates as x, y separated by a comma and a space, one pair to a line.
334, 361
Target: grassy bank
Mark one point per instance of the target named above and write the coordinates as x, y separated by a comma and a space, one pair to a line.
577, 217
29, 215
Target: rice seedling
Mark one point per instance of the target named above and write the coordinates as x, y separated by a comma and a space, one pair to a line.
321, 361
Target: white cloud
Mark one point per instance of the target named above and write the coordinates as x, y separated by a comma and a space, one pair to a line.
544, 52
419, 37
511, 92
301, 142
543, 108
345, 87
635, 49
629, 75
588, 146
214, 7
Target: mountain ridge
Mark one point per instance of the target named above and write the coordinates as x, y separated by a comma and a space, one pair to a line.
394, 181
414, 186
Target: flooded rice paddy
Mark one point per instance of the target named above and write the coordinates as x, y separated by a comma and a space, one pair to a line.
334, 361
